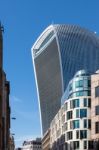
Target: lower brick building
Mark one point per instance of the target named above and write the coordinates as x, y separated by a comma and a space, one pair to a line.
4, 102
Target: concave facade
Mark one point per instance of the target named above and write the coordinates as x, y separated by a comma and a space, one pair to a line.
59, 52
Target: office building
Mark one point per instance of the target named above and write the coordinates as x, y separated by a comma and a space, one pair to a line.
59, 52
76, 125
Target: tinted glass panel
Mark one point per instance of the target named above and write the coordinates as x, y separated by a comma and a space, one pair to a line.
97, 91
83, 113
97, 110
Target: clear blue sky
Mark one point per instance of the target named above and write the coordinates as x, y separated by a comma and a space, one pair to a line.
23, 21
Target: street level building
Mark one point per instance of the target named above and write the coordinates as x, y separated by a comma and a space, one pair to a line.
76, 125
32, 145
59, 52
11, 143
46, 140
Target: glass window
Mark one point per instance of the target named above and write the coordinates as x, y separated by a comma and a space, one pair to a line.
76, 84
97, 127
83, 134
89, 93
89, 123
77, 134
97, 91
69, 115
75, 103
85, 83
79, 83
89, 83
77, 113
89, 102
76, 144
85, 123
97, 110
90, 145
85, 144
83, 113
79, 93
76, 124
69, 135
85, 102
70, 87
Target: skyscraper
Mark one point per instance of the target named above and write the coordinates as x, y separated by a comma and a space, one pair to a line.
59, 52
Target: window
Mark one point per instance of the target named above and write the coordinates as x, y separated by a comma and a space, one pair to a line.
89, 83
85, 102
77, 134
80, 93
90, 145
70, 87
69, 115
75, 103
83, 134
76, 144
69, 135
89, 124
85, 123
79, 83
77, 113
76, 124
97, 91
89, 102
97, 127
97, 110
83, 113
85, 144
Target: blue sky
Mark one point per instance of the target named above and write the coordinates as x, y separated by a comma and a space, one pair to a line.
23, 22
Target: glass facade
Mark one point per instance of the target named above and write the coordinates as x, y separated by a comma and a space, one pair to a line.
79, 86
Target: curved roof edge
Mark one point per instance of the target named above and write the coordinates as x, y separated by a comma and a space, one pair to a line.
42, 37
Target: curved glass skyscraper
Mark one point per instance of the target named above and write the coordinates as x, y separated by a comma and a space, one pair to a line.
59, 52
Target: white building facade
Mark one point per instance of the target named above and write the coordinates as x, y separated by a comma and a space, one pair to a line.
71, 127
32, 145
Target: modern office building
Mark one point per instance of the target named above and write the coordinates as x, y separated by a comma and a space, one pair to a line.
59, 52
76, 125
